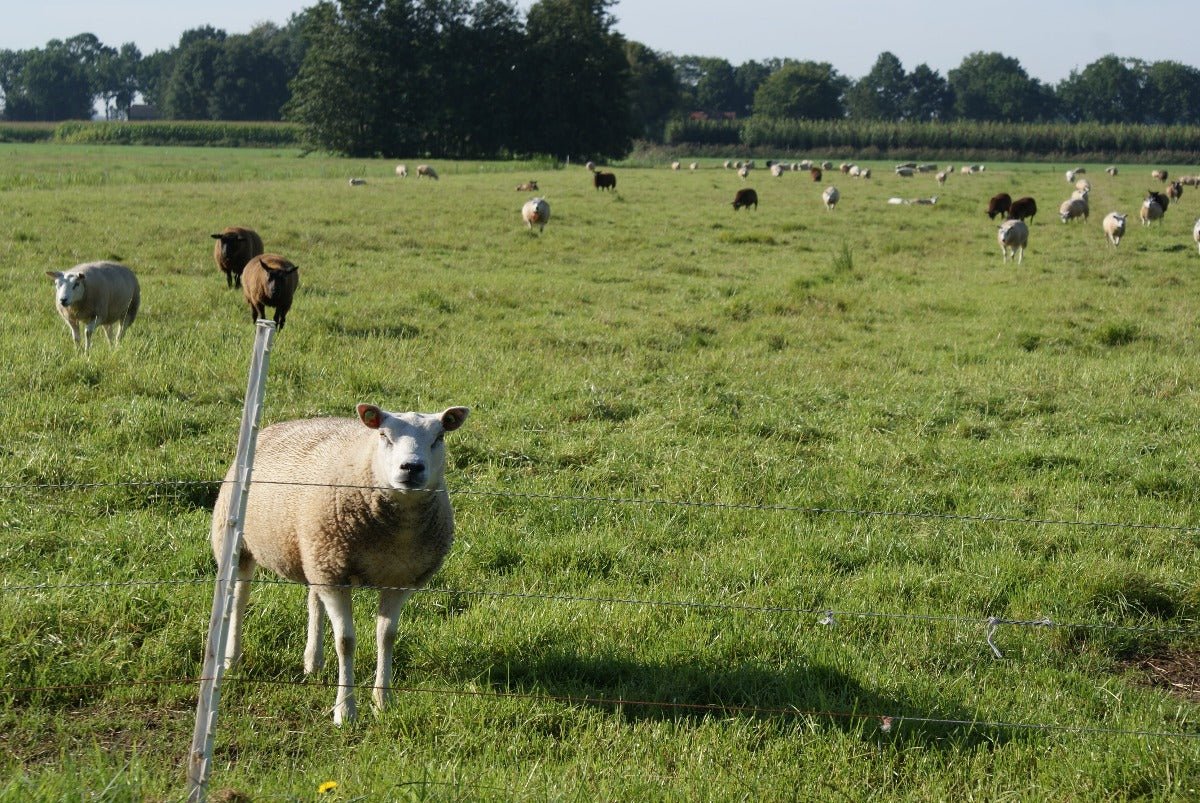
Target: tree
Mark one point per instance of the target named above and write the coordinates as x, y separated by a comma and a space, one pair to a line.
116, 80
1109, 90
47, 84
992, 86
251, 74
654, 90
882, 93
747, 78
583, 79
188, 91
802, 90
1173, 93
929, 97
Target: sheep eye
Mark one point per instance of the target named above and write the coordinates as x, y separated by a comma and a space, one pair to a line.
441, 436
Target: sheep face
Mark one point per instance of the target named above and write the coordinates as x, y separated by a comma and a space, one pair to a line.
229, 243
69, 288
410, 454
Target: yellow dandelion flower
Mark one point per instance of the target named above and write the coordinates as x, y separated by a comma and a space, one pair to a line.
326, 787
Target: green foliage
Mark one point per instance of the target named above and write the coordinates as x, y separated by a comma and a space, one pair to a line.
671, 403
215, 134
805, 90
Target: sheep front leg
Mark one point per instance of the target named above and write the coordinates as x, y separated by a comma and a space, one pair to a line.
88, 328
241, 594
314, 656
337, 605
391, 600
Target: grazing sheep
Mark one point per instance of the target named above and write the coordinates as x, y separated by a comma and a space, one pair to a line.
96, 294
815, 173
1111, 170
1073, 208
998, 204
1114, 227
1196, 233
235, 247
339, 502
1080, 194
528, 186
745, 197
1071, 174
1175, 190
1013, 236
694, 166
427, 171
675, 165
270, 281
894, 201
536, 211
604, 181
924, 201
905, 172
743, 172
1161, 175
777, 170
1023, 208
864, 172
927, 168
907, 166
1151, 210
827, 165
402, 171
357, 182
1190, 181
830, 196
965, 170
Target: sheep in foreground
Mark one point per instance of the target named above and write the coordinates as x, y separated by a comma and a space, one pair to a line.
536, 212
339, 502
1073, 208
1013, 236
427, 171
1114, 227
1196, 233
999, 204
830, 196
1150, 211
745, 197
235, 247
96, 294
402, 171
270, 281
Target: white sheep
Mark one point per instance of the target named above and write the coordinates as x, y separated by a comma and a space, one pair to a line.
830, 196
1114, 227
675, 165
536, 211
1073, 208
694, 166
402, 171
1083, 185
776, 170
744, 171
96, 294
591, 166
427, 171
1111, 170
340, 502
941, 178
1196, 233
1071, 174
1013, 236
1151, 210
905, 171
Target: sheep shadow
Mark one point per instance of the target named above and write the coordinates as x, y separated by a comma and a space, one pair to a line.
686, 691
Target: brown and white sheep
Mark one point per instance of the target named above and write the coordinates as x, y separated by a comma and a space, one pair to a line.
536, 212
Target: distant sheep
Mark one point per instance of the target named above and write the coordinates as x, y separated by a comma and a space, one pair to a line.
827, 165
270, 281
728, 164
1161, 175
998, 204
1013, 236
1023, 208
234, 247
924, 201
1175, 190
341, 502
694, 166
357, 182
427, 171
815, 172
830, 197
1073, 209
1114, 227
745, 197
591, 166
927, 168
1196, 233
941, 178
1071, 174
402, 171
777, 170
604, 181
95, 294
675, 165
1190, 181
528, 186
536, 212
1111, 170
905, 172
744, 172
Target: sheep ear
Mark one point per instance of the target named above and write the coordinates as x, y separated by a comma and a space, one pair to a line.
370, 415
215, 236
54, 274
453, 418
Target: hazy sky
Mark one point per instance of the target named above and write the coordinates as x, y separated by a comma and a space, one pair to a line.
1049, 37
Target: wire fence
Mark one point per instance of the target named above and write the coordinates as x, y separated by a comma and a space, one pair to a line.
825, 617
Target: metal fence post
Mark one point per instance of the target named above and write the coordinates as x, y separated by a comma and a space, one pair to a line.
200, 755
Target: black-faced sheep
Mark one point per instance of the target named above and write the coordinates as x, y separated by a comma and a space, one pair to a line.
234, 247
338, 502
998, 204
269, 280
96, 294
1023, 208
745, 197
604, 181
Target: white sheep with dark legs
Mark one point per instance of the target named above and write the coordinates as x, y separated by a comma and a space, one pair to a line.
1114, 227
342, 502
95, 294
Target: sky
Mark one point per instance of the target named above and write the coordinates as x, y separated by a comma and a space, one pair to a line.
1050, 38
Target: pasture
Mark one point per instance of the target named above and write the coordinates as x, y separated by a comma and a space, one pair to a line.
737, 499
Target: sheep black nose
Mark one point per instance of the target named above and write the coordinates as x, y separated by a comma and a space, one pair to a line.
413, 467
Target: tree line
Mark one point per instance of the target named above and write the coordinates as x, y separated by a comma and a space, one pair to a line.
477, 78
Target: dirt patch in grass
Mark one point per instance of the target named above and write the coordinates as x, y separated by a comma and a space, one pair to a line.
1178, 673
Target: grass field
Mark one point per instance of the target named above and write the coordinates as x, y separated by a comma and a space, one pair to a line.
694, 433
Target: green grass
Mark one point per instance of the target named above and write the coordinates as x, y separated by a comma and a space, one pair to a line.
862, 411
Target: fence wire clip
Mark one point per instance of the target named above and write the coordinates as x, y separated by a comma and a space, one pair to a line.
827, 619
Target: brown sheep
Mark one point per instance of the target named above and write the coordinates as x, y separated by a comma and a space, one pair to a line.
1161, 175
745, 197
998, 205
604, 181
1023, 208
528, 186
269, 280
1175, 190
815, 172
235, 247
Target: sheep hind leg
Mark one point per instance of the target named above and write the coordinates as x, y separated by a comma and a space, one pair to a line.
241, 595
337, 605
391, 600
314, 648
